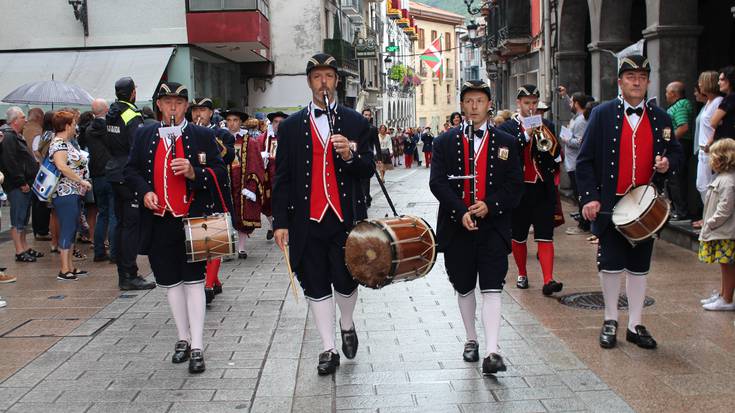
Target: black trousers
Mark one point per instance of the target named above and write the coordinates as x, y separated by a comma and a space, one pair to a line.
477, 255
536, 208
676, 184
40, 216
127, 232
168, 254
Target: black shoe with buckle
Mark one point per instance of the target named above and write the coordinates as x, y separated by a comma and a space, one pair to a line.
217, 289
471, 351
269, 235
209, 295
522, 282
492, 364
551, 287
196, 362
642, 338
328, 362
608, 334
181, 352
349, 342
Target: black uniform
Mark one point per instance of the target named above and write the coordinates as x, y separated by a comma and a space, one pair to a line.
375, 147
485, 251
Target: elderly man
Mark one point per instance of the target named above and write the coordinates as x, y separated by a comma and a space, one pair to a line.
20, 168
681, 112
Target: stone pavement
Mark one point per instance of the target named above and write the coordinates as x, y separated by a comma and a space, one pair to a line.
261, 346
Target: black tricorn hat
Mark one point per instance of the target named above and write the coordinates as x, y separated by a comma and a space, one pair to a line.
321, 60
278, 114
202, 103
478, 85
172, 89
634, 62
124, 87
527, 90
236, 112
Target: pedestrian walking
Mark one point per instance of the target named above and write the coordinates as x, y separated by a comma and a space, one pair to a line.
428, 140
367, 113
386, 150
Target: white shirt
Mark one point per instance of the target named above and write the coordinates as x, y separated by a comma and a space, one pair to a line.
477, 140
632, 119
321, 122
705, 129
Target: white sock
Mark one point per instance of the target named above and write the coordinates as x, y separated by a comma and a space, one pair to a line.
635, 289
324, 313
467, 307
177, 301
610, 292
241, 238
491, 321
196, 305
346, 309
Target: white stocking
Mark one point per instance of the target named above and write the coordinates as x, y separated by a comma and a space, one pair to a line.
270, 221
346, 309
491, 320
610, 292
324, 312
467, 307
177, 301
241, 238
196, 305
635, 289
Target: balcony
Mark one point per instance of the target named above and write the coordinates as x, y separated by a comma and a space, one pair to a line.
351, 7
228, 5
344, 53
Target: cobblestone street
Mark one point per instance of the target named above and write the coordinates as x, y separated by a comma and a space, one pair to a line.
261, 347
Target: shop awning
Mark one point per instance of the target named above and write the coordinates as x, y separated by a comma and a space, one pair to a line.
93, 70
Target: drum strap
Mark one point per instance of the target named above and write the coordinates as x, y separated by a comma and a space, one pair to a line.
219, 191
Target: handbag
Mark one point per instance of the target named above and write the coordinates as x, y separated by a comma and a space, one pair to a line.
46, 180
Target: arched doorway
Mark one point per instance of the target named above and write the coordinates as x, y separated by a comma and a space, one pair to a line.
573, 64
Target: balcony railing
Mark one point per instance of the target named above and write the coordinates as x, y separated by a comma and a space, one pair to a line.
343, 52
351, 7
228, 5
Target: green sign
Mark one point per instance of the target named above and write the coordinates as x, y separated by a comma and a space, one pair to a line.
392, 48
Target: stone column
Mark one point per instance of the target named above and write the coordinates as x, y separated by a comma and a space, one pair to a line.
605, 68
672, 52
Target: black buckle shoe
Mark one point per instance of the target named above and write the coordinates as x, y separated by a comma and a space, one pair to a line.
242, 255
349, 342
492, 364
642, 338
328, 363
217, 289
196, 362
209, 295
608, 334
181, 352
471, 351
522, 282
269, 235
129, 283
551, 288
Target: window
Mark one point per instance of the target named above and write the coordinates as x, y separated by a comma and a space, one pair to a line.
422, 94
433, 35
435, 87
448, 41
449, 95
422, 43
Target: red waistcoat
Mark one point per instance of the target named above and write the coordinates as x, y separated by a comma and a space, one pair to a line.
170, 188
635, 164
480, 170
324, 190
530, 171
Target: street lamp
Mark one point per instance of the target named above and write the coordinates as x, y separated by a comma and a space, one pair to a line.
472, 31
471, 9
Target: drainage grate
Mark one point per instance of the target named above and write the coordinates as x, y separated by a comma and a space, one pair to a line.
594, 301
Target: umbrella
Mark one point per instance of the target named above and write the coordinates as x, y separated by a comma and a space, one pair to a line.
49, 92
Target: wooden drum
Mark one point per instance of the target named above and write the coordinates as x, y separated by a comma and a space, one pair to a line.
210, 237
641, 213
384, 251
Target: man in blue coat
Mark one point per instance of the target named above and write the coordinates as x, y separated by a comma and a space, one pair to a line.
475, 236
323, 153
627, 144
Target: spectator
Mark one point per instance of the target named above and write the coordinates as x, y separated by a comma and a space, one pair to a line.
386, 149
455, 119
40, 213
4, 278
428, 139
409, 146
717, 238
709, 88
34, 125
148, 116
99, 155
19, 168
587, 112
89, 206
447, 126
681, 112
367, 113
73, 184
416, 137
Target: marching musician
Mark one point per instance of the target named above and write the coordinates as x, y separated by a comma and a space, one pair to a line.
202, 110
627, 143
268, 145
474, 235
247, 174
171, 171
323, 153
540, 157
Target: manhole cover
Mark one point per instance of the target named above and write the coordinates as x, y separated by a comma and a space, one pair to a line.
594, 301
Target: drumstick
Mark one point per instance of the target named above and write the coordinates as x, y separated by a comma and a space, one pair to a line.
290, 273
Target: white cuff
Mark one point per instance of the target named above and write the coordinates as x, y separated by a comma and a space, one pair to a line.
248, 194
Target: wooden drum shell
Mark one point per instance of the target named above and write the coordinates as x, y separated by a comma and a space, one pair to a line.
209, 237
650, 221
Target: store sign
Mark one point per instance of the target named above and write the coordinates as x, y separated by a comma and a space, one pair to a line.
366, 48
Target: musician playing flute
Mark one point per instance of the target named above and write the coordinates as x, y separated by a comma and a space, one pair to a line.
476, 176
171, 171
323, 152
627, 143
540, 155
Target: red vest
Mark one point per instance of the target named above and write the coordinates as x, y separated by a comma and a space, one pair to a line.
530, 172
480, 170
638, 143
324, 190
170, 188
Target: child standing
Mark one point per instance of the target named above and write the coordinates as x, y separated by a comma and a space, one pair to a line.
717, 239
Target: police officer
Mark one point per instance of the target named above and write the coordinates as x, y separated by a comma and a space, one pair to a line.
475, 236
123, 121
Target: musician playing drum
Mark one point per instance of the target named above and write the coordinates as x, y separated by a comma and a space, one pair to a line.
170, 171
323, 152
627, 140
540, 159
474, 235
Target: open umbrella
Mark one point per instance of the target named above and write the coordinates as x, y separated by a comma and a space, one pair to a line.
49, 92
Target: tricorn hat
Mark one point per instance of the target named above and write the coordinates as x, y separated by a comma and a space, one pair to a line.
634, 62
527, 90
278, 114
202, 103
172, 89
236, 112
321, 60
475, 85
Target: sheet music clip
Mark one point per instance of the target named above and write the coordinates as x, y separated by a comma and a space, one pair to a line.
459, 177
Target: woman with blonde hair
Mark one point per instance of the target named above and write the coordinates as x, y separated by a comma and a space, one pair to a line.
708, 87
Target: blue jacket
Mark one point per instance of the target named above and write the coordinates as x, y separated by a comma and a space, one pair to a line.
598, 160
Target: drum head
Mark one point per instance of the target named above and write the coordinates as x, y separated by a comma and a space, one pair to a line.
369, 254
633, 205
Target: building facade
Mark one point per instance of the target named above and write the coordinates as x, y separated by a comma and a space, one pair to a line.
472, 65
436, 97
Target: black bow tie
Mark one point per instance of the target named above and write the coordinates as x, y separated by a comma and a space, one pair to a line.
479, 133
318, 112
637, 111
